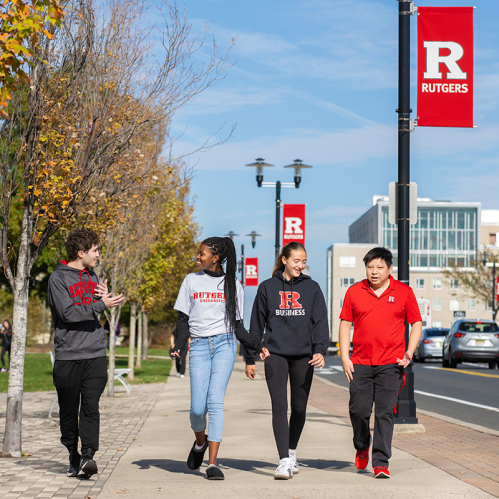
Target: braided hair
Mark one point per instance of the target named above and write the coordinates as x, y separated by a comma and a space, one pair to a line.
224, 248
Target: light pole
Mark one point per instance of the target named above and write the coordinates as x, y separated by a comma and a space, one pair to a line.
240, 263
494, 285
260, 164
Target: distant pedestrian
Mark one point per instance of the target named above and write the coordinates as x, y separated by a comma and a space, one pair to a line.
76, 299
291, 309
379, 308
210, 311
6, 332
107, 329
181, 361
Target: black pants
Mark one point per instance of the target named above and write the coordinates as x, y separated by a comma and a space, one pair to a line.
2, 355
381, 385
300, 373
80, 384
181, 361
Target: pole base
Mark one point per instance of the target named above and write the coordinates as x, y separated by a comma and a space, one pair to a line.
409, 428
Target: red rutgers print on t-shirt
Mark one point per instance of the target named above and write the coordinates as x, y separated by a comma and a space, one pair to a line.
205, 297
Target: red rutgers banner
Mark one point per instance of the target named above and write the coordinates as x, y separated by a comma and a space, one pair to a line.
251, 271
497, 289
293, 226
445, 66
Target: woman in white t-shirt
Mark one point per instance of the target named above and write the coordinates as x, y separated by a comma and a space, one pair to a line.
210, 311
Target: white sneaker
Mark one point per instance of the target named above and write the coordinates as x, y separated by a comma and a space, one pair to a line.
294, 465
178, 375
283, 471
182, 375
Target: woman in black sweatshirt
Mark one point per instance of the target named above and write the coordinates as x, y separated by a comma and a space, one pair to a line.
291, 309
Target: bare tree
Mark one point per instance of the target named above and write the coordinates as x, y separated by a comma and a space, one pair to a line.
477, 282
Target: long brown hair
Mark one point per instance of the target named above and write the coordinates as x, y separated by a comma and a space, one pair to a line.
286, 253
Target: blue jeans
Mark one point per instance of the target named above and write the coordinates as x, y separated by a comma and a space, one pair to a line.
211, 362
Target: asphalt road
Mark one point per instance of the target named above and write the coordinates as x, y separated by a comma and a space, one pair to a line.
470, 385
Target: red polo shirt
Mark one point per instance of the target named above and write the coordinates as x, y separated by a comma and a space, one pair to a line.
379, 322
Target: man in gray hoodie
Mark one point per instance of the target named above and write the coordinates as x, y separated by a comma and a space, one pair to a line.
76, 299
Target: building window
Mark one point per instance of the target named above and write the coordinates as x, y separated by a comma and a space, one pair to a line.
419, 283
488, 305
454, 284
437, 305
471, 305
347, 262
437, 283
492, 239
341, 302
346, 282
454, 305
436, 324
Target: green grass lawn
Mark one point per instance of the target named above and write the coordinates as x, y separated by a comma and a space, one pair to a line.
38, 371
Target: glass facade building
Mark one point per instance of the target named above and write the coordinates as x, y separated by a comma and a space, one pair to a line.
445, 234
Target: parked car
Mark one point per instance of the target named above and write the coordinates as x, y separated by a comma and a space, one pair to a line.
430, 344
471, 340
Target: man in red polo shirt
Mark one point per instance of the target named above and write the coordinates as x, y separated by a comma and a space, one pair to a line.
379, 307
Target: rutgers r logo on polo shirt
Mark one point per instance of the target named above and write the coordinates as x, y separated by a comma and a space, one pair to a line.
391, 299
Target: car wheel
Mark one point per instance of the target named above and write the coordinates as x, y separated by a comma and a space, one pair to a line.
452, 362
445, 362
421, 359
492, 364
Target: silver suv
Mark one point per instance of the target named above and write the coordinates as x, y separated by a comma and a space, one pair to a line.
471, 340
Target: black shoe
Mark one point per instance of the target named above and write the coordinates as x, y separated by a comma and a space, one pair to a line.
214, 473
88, 467
74, 464
195, 459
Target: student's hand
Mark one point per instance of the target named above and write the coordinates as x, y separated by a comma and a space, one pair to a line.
175, 354
101, 289
250, 371
348, 369
406, 360
264, 354
317, 360
112, 301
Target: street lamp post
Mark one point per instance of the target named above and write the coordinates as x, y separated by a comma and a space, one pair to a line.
260, 164
240, 263
494, 285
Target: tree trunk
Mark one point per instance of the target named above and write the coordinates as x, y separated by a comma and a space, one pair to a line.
145, 339
12, 441
44, 320
138, 362
131, 341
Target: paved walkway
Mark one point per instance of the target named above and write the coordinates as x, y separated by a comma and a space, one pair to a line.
42, 474
146, 436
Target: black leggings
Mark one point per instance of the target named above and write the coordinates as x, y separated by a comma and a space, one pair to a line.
2, 355
300, 373
181, 361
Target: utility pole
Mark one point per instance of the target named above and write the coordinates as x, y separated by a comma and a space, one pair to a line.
277, 218
406, 409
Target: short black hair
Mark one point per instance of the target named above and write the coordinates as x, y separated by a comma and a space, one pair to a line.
375, 253
80, 240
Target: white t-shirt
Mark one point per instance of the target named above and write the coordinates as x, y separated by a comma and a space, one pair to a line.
202, 298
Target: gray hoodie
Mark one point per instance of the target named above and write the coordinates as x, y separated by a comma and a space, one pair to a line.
75, 312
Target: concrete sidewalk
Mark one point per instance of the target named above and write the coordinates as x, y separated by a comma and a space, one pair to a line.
154, 464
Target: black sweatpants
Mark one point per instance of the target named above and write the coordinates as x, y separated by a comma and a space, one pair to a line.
381, 385
181, 361
79, 385
300, 373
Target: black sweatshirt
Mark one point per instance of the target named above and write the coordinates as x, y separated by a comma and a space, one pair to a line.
293, 314
242, 335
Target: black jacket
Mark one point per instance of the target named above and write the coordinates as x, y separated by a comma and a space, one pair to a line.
293, 314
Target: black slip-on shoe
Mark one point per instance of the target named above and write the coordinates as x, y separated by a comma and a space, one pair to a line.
88, 467
195, 459
214, 473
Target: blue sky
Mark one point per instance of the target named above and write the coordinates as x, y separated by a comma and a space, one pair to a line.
317, 80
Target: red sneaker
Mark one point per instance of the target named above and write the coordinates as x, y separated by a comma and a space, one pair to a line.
381, 472
362, 459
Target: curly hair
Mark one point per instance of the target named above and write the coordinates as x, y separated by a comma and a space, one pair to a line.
80, 240
224, 248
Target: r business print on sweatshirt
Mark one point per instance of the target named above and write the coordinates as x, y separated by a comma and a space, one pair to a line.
290, 298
